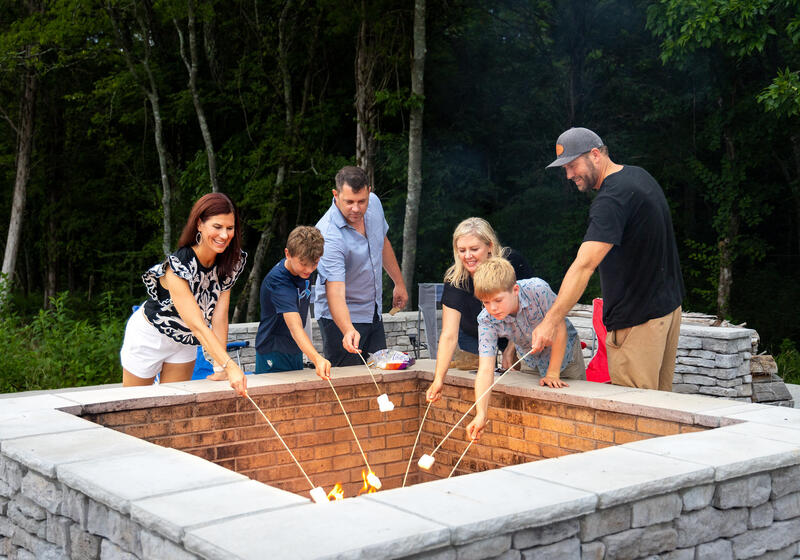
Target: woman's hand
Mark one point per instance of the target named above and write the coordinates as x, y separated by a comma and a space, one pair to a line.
237, 379
435, 391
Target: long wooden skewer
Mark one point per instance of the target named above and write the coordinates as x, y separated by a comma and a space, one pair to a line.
283, 442
350, 424
462, 456
369, 369
415, 443
486, 392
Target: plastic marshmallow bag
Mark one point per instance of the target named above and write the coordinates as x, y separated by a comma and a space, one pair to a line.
390, 359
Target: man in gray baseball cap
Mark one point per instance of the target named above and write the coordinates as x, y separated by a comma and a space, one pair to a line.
631, 241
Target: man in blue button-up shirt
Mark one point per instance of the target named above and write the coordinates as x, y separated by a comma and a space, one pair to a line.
349, 281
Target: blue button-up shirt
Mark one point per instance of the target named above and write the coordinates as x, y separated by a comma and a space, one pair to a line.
535, 298
354, 259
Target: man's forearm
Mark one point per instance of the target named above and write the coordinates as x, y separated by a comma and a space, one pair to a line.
590, 254
390, 263
335, 291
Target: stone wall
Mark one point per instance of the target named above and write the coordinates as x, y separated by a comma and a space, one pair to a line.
72, 489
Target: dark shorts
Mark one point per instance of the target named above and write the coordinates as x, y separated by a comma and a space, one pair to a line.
272, 362
373, 339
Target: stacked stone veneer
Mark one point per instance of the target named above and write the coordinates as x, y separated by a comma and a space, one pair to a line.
71, 489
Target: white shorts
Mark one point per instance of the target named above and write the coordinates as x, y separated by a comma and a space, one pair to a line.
144, 349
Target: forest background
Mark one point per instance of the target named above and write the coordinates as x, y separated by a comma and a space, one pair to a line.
116, 116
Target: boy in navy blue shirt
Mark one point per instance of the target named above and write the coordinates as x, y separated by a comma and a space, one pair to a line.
285, 293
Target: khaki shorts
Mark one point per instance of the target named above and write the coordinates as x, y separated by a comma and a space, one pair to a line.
576, 369
644, 355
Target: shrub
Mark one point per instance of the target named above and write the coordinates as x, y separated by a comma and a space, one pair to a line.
56, 350
788, 361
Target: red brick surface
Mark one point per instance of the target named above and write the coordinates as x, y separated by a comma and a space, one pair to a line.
233, 434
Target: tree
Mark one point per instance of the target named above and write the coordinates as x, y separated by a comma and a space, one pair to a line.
727, 38
23, 48
414, 147
123, 18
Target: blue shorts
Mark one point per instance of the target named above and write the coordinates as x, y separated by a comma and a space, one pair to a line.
272, 362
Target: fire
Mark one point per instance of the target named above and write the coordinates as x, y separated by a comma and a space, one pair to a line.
337, 493
368, 488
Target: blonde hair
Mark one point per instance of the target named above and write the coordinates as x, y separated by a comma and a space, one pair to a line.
305, 243
494, 275
457, 274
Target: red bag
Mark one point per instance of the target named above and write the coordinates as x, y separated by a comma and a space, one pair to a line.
597, 370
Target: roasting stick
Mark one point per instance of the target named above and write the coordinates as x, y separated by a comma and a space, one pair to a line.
384, 404
462, 456
415, 443
426, 461
372, 478
316, 491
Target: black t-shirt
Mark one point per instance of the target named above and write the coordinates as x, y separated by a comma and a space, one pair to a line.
468, 305
641, 275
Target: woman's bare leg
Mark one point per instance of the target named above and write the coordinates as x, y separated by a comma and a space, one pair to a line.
130, 380
172, 373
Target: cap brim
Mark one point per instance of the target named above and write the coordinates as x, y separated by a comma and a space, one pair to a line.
563, 160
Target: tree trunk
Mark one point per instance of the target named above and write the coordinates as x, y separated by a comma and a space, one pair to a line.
191, 67
414, 147
726, 258
51, 268
25, 132
366, 119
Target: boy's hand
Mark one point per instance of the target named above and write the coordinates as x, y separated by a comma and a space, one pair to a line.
552, 381
475, 428
323, 368
434, 391
350, 340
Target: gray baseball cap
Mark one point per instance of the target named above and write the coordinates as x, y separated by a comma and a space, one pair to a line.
573, 143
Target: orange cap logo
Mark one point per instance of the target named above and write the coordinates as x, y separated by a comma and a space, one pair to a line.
559, 149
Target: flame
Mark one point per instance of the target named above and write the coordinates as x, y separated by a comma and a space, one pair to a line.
368, 488
337, 493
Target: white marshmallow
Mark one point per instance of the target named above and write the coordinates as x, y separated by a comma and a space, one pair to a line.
384, 404
318, 495
374, 481
426, 461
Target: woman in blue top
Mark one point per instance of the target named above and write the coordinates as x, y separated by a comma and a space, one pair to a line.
189, 297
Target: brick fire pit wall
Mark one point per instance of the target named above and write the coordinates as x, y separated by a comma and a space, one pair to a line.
70, 488
231, 433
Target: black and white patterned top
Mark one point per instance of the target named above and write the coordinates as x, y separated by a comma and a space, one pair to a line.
203, 282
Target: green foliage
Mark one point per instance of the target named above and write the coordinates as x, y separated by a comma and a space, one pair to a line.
788, 361
57, 350
702, 274
783, 94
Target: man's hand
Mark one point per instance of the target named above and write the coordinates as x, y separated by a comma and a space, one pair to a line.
543, 336
552, 381
351, 340
323, 368
475, 428
399, 296
434, 391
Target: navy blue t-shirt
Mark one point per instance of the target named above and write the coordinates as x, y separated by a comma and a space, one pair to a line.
281, 292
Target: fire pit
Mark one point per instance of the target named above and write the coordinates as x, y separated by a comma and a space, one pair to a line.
230, 432
589, 471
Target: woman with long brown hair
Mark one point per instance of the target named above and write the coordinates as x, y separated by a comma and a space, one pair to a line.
189, 297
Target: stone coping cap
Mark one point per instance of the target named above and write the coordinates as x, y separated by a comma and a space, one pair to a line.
723, 333
43, 453
731, 452
353, 528
116, 481
38, 422
39, 401
618, 474
484, 504
175, 513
